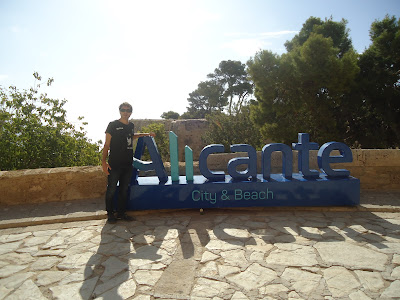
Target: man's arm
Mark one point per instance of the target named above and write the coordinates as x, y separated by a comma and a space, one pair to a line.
106, 147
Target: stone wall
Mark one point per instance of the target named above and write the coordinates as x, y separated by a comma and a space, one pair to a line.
376, 169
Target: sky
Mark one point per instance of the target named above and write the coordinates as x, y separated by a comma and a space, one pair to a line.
151, 54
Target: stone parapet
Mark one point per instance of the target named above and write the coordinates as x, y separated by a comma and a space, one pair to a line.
53, 184
376, 169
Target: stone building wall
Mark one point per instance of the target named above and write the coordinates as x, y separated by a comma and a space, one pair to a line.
376, 169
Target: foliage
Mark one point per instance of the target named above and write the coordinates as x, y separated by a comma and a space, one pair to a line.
321, 86
336, 31
231, 76
379, 87
161, 141
170, 115
228, 87
35, 133
232, 129
207, 98
306, 89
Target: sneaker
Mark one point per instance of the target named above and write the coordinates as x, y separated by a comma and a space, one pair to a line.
125, 217
111, 219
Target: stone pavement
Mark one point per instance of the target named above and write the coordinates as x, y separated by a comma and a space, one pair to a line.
68, 251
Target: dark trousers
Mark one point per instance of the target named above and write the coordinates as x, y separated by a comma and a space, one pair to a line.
123, 176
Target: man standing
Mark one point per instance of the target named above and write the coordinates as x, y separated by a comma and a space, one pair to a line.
118, 147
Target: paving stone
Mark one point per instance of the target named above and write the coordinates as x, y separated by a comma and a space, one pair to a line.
9, 247
163, 233
168, 245
4, 292
104, 286
257, 256
286, 227
55, 252
147, 255
273, 289
45, 232
350, 255
18, 258
53, 242
44, 263
142, 297
113, 266
258, 244
385, 247
14, 281
225, 231
294, 295
49, 277
239, 296
151, 266
371, 281
234, 257
77, 275
208, 256
10, 270
9, 238
207, 288
340, 281
177, 279
75, 249
68, 232
292, 255
34, 241
359, 295
78, 260
396, 259
147, 277
311, 232
396, 273
227, 270
209, 270
253, 277
124, 291
31, 250
27, 291
393, 291
224, 245
303, 282
75, 290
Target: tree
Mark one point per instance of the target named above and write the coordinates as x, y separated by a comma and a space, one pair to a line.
228, 87
337, 31
379, 86
228, 130
207, 98
35, 133
305, 90
161, 139
170, 115
231, 76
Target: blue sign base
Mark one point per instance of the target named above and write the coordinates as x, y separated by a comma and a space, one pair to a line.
278, 191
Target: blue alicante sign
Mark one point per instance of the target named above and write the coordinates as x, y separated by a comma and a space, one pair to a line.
332, 187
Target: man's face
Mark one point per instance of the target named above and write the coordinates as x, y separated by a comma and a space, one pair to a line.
125, 111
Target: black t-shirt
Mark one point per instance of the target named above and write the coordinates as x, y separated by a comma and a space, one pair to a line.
121, 146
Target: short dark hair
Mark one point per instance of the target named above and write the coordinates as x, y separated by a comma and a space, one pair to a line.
125, 104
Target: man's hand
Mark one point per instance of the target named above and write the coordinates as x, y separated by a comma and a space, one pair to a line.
152, 134
106, 167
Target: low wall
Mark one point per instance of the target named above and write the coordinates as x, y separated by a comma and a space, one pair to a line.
376, 169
